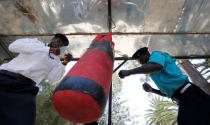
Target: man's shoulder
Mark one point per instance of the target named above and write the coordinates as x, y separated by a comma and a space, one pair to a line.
157, 52
166, 55
30, 40
161, 52
37, 40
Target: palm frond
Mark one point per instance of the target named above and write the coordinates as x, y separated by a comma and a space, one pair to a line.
161, 112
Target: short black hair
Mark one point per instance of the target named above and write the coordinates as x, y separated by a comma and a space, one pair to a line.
63, 38
140, 52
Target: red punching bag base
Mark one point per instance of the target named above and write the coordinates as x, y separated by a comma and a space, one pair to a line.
76, 107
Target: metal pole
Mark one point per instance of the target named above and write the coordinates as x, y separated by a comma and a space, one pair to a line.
110, 106
113, 33
110, 95
110, 92
2, 44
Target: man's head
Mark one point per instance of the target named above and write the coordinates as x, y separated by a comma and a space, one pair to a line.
142, 55
58, 41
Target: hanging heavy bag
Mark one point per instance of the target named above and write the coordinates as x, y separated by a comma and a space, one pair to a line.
82, 94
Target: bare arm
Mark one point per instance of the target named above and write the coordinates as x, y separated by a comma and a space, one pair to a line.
158, 92
148, 88
145, 69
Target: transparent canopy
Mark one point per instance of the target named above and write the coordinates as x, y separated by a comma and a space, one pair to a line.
134, 17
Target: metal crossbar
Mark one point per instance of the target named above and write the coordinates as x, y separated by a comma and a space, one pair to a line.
177, 57
113, 33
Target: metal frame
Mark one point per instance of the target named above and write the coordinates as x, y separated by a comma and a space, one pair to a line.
5, 48
110, 92
113, 33
110, 95
124, 58
177, 57
109, 25
3, 45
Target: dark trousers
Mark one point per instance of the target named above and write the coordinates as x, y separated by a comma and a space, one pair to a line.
194, 107
92, 123
17, 99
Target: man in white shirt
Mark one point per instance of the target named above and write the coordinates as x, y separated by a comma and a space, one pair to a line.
18, 78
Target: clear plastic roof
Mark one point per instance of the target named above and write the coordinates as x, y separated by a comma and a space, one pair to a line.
141, 19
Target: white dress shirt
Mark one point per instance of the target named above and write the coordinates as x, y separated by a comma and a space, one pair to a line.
33, 61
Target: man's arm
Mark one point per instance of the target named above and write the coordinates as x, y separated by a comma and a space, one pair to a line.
158, 92
56, 73
28, 45
148, 88
144, 69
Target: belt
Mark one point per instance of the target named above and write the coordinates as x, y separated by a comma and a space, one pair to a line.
177, 95
185, 88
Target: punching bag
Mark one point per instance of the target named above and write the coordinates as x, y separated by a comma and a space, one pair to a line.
82, 94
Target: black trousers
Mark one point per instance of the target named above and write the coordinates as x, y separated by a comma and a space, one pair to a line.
92, 123
194, 107
17, 99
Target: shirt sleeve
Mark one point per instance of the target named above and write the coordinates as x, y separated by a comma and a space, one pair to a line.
56, 73
28, 45
158, 58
